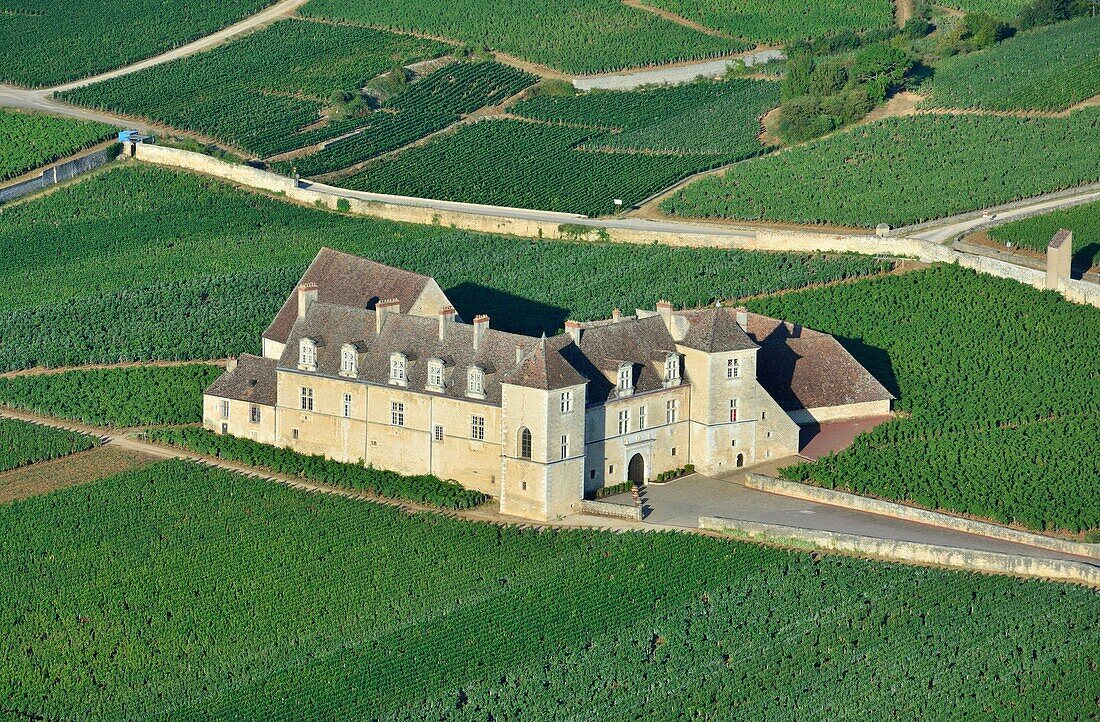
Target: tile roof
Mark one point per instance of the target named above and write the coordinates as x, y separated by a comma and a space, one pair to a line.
349, 280
644, 343
715, 329
253, 381
802, 368
546, 368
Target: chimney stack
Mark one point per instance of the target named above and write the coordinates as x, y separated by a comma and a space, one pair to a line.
231, 364
665, 309
447, 316
382, 309
519, 355
573, 328
742, 317
481, 325
307, 294
616, 315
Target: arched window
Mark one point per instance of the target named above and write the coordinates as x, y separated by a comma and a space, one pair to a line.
525, 443
435, 374
397, 369
626, 378
475, 382
307, 354
349, 360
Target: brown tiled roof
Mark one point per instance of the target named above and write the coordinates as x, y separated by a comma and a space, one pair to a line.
253, 381
545, 368
715, 329
1059, 238
352, 281
802, 368
643, 343
332, 326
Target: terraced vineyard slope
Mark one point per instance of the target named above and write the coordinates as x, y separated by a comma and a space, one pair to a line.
31, 140
997, 381
903, 170
216, 597
1049, 69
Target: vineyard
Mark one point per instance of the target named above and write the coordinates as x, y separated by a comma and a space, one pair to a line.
166, 258
422, 489
22, 443
265, 93
702, 117
114, 397
576, 36
31, 140
1003, 9
48, 43
903, 170
188, 593
781, 21
1050, 68
441, 99
1035, 233
1004, 404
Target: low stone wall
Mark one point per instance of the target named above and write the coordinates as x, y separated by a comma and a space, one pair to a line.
921, 516
911, 552
603, 508
58, 174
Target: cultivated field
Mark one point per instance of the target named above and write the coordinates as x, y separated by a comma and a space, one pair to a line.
1049, 68
780, 21
1035, 233
186, 593
48, 43
119, 397
576, 36
43, 478
31, 140
166, 259
1002, 408
1004, 9
903, 170
22, 443
266, 93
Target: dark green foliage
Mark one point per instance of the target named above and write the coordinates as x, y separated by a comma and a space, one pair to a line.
999, 381
917, 27
260, 92
120, 397
22, 443
183, 593
421, 489
904, 170
1048, 12
31, 140
974, 32
1035, 233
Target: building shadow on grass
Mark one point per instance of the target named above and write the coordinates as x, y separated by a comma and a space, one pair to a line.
507, 312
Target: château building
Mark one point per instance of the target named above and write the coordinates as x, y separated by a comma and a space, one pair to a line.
372, 364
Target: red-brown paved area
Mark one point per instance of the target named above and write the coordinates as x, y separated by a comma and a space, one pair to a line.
834, 436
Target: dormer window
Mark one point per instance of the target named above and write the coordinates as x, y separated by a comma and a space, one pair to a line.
435, 375
349, 360
626, 379
398, 366
475, 382
672, 369
307, 354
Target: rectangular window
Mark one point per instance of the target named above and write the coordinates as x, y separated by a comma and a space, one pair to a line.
437, 432
624, 421
674, 451
564, 447
307, 399
397, 413
591, 473
477, 428
733, 368
671, 407
254, 414
294, 433
610, 469
225, 428
768, 435
763, 415
347, 406
641, 418
566, 401
225, 408
733, 409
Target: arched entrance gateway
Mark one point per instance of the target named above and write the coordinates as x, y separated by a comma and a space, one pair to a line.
635, 470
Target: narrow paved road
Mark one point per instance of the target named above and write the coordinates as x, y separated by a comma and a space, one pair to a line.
673, 74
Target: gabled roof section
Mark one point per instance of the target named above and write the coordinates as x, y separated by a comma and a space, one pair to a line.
805, 369
714, 330
545, 368
643, 343
347, 280
253, 381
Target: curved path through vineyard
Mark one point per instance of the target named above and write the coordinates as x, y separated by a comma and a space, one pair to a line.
681, 502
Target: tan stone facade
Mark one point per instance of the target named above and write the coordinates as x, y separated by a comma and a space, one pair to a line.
538, 423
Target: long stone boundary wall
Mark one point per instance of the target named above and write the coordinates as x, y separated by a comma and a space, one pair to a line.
922, 516
562, 226
603, 508
59, 173
909, 552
